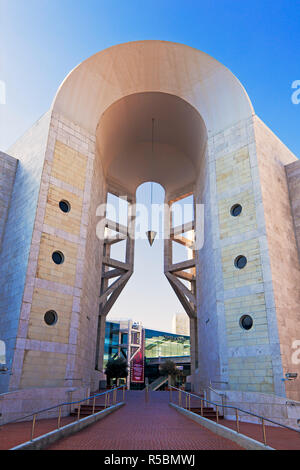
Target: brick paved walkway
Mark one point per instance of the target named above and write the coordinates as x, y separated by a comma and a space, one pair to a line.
152, 426
148, 426
14, 434
278, 438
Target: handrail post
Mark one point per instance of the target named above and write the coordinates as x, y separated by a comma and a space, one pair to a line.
147, 393
94, 403
186, 401
59, 416
33, 426
237, 420
189, 402
108, 399
78, 412
71, 399
264, 431
201, 407
217, 411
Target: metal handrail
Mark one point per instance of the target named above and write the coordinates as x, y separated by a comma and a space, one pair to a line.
215, 391
262, 418
62, 404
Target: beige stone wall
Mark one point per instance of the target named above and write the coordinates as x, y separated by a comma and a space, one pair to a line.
248, 363
54, 284
272, 156
67, 175
69, 165
251, 273
251, 373
233, 170
43, 300
293, 178
68, 222
245, 222
91, 274
43, 369
246, 305
50, 271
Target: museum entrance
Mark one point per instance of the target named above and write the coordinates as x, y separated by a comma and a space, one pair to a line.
159, 138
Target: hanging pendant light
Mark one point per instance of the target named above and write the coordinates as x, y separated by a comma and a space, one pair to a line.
151, 234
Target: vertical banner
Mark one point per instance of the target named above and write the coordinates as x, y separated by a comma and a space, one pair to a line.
137, 363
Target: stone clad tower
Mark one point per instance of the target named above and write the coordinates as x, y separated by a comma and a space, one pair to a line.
244, 296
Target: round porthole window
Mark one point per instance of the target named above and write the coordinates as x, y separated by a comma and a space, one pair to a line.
236, 210
50, 318
65, 206
240, 262
58, 257
246, 322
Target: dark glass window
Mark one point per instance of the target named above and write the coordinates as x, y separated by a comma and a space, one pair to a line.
246, 322
240, 262
58, 257
65, 206
236, 210
50, 317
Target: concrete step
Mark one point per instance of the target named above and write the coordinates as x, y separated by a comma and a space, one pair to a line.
208, 412
87, 410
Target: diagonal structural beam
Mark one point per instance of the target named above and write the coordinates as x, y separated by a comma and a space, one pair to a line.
188, 307
114, 263
113, 240
116, 227
185, 276
188, 264
113, 273
183, 241
110, 302
181, 287
180, 229
115, 285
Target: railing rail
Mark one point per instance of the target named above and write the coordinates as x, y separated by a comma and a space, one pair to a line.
236, 409
107, 404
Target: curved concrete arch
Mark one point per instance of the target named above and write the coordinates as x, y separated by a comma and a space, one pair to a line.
155, 66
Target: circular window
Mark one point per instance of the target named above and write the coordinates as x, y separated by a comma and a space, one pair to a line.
240, 262
246, 322
65, 206
58, 257
50, 317
236, 210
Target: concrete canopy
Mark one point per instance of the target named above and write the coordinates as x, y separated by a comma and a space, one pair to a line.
116, 93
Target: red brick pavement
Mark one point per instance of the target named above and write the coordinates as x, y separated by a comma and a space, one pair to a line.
147, 426
278, 438
14, 434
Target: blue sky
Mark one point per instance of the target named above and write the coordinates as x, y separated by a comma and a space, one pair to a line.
42, 40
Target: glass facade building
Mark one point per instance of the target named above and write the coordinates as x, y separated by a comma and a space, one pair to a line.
163, 344
122, 339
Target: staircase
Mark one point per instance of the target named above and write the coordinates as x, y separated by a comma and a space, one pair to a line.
208, 412
86, 410
158, 383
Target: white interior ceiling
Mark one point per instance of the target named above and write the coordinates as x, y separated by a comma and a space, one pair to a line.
118, 91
